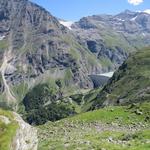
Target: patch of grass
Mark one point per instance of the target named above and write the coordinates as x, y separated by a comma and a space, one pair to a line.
7, 131
113, 39
105, 62
111, 128
68, 77
75, 54
3, 45
122, 115
20, 90
92, 60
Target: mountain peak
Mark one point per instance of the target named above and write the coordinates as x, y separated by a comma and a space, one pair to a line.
128, 12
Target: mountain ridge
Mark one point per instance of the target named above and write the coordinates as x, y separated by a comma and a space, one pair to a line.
129, 85
111, 38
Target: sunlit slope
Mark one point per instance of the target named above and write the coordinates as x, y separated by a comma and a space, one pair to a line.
111, 128
130, 84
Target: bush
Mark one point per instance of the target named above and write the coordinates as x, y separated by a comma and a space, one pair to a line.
51, 112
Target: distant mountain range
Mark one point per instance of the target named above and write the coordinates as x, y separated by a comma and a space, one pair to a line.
112, 38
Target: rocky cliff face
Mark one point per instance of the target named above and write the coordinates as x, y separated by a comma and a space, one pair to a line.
35, 48
26, 137
112, 38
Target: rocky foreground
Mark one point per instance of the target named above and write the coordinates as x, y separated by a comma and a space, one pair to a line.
15, 133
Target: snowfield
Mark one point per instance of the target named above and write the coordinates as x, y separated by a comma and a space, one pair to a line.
147, 11
67, 24
2, 37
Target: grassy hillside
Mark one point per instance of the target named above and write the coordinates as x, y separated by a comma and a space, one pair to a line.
130, 84
8, 127
110, 128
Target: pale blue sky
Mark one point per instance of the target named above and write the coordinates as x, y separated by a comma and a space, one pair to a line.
75, 9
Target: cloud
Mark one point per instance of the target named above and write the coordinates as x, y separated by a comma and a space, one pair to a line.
135, 2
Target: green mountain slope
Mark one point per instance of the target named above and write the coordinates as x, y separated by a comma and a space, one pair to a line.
130, 84
111, 128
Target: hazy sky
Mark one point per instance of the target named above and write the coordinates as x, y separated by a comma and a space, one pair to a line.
75, 9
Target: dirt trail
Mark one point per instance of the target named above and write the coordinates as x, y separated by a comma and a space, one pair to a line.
26, 137
7, 57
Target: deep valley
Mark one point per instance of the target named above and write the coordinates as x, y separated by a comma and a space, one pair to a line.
81, 85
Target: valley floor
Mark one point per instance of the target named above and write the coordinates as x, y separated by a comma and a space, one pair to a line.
111, 128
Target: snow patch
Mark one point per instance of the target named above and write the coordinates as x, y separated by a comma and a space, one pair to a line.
147, 11
67, 24
120, 19
143, 34
108, 74
133, 19
2, 37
